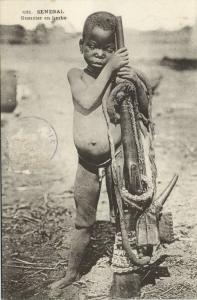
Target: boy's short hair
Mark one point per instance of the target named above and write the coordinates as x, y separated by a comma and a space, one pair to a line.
102, 19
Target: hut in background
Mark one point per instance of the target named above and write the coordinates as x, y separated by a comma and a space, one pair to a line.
40, 34
8, 97
12, 34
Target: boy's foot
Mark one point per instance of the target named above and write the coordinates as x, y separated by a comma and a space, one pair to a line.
62, 283
56, 288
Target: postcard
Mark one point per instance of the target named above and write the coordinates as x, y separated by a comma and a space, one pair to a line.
98, 127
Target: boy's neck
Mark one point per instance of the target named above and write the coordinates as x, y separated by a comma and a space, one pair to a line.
92, 72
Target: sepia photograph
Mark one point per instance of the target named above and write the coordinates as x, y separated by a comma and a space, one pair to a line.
98, 149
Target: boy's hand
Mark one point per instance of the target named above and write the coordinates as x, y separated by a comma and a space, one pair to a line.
119, 59
128, 73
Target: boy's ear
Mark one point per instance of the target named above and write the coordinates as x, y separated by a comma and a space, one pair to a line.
81, 45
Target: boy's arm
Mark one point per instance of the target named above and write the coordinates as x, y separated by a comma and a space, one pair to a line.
89, 96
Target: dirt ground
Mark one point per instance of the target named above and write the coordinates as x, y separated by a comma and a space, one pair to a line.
37, 200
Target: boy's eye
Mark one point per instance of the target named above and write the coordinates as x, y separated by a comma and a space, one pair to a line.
110, 49
91, 46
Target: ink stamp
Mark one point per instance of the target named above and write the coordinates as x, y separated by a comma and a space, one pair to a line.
32, 144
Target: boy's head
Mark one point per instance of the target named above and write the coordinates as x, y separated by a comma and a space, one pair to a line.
102, 19
98, 39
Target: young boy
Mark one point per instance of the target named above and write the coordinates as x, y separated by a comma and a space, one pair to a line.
88, 87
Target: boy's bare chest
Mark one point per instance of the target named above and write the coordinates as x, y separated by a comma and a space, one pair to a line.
87, 79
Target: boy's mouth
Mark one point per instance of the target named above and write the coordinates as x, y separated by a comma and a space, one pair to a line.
98, 63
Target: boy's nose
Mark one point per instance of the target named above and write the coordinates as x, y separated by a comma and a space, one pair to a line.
100, 53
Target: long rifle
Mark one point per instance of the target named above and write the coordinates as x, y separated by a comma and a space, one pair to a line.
127, 285
131, 167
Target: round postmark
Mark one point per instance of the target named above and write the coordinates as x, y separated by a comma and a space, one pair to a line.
31, 143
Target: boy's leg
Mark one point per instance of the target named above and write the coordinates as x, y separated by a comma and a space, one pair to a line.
86, 194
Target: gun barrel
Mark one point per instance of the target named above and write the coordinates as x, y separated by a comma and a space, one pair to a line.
119, 33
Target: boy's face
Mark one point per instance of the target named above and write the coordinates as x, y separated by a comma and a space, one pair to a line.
98, 47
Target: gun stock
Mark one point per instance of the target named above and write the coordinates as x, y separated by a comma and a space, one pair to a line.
131, 167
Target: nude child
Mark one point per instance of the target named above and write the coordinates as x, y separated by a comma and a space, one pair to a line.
88, 87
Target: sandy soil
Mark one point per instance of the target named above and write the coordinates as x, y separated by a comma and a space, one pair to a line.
38, 205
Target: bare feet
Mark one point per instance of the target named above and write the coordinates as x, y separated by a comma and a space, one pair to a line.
62, 283
56, 288
80, 241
